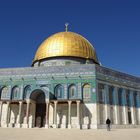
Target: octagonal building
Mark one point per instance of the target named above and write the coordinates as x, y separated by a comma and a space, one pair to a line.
66, 87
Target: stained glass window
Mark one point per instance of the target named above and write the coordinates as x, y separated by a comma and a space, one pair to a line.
59, 91
86, 92
15, 92
72, 91
4, 92
27, 91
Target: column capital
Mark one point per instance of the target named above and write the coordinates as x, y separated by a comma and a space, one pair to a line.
20, 102
47, 101
69, 102
8, 102
28, 101
78, 101
55, 102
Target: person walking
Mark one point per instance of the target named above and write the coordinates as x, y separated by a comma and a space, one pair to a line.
108, 122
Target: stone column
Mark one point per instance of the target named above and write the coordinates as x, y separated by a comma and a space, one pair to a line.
125, 108
47, 115
138, 114
98, 116
69, 114
116, 106
132, 108
7, 114
1, 103
107, 106
78, 114
27, 111
55, 115
138, 108
19, 114
26, 125
133, 111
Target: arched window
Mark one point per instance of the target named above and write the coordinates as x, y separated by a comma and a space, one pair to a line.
86, 92
4, 92
59, 91
72, 91
27, 91
15, 93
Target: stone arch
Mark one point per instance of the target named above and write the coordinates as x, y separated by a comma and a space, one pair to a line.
46, 87
15, 93
39, 89
39, 97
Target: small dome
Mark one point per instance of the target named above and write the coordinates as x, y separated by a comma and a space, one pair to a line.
66, 44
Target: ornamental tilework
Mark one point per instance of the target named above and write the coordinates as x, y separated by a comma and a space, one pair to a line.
68, 92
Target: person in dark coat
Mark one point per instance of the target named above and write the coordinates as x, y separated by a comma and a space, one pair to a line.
108, 122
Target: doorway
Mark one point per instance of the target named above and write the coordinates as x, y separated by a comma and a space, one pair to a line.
40, 115
39, 97
129, 117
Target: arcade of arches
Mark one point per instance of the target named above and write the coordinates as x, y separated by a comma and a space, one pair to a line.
119, 104
34, 112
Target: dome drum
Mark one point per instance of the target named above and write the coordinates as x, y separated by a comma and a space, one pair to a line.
61, 61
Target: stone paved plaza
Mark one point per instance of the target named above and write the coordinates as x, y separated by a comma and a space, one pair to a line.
66, 134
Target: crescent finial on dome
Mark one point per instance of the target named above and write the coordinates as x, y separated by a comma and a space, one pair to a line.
66, 26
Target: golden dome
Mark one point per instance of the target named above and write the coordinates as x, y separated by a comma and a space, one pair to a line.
67, 44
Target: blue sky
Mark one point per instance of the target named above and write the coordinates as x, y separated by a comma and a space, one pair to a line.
112, 26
